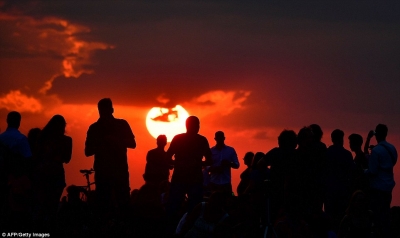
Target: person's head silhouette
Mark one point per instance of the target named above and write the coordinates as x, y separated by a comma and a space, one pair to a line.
257, 157
105, 107
192, 125
287, 139
161, 141
337, 137
57, 124
14, 119
248, 158
54, 128
355, 141
317, 132
220, 138
305, 137
381, 131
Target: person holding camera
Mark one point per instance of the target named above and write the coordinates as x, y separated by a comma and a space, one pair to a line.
382, 159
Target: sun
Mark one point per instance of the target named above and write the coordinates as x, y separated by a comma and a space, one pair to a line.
167, 121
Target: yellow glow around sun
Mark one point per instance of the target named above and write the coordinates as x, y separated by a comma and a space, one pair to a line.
169, 122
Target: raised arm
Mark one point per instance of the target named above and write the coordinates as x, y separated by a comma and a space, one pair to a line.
367, 141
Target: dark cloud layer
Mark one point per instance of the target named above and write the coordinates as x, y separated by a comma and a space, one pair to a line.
326, 56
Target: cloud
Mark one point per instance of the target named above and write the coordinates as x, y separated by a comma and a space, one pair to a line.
221, 102
17, 101
54, 39
261, 135
162, 99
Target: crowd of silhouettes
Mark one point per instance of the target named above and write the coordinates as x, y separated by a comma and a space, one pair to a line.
301, 188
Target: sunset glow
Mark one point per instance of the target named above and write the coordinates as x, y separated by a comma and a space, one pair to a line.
169, 122
248, 68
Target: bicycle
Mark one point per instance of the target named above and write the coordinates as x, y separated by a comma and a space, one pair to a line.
76, 211
86, 189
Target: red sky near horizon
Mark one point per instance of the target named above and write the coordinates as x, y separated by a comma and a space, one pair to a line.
249, 69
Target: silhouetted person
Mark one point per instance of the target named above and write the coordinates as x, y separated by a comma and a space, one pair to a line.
339, 178
223, 159
255, 191
17, 143
33, 136
187, 179
54, 149
355, 142
108, 140
158, 165
14, 165
74, 218
148, 202
208, 219
395, 220
257, 176
73, 198
358, 221
280, 159
380, 172
304, 185
319, 151
317, 135
361, 162
245, 175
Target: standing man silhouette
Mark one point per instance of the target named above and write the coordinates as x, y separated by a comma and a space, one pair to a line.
339, 182
223, 159
381, 161
189, 149
13, 168
108, 140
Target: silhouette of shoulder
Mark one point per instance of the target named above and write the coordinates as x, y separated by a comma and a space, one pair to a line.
339, 150
16, 141
154, 154
189, 150
111, 126
189, 141
273, 153
113, 122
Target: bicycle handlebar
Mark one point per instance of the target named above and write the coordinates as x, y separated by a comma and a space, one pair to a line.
86, 171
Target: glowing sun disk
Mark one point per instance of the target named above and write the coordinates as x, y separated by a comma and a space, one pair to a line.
167, 121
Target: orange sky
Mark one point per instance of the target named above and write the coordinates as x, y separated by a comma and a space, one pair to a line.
249, 69
79, 117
